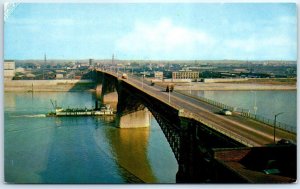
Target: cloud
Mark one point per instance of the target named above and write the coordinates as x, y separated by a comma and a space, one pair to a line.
274, 47
165, 38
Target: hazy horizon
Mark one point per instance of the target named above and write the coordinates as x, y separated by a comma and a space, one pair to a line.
107, 59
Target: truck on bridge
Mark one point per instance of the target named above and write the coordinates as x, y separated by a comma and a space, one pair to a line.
170, 88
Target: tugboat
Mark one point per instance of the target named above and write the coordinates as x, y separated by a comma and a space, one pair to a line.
104, 110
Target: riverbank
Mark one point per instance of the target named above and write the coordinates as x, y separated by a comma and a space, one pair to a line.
243, 84
232, 86
272, 81
48, 85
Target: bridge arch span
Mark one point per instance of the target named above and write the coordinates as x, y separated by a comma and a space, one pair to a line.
190, 141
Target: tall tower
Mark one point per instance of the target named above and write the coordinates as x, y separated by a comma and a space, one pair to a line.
113, 59
45, 58
90, 62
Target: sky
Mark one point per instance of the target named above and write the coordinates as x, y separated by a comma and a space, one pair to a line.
152, 31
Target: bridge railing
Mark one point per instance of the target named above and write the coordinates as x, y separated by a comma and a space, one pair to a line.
223, 131
217, 104
245, 113
268, 121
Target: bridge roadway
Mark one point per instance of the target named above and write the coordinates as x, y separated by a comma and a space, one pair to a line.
247, 131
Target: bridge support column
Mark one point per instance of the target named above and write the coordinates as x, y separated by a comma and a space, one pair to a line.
111, 99
185, 161
98, 90
192, 165
137, 119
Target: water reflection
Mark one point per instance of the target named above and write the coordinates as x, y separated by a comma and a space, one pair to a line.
10, 101
130, 149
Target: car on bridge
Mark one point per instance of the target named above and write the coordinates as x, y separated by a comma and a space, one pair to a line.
124, 76
226, 112
284, 141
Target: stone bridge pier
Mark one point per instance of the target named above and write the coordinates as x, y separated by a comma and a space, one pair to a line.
130, 112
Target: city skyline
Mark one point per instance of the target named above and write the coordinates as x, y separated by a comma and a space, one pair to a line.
251, 31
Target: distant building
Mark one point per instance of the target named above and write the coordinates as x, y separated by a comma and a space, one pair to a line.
90, 62
83, 65
59, 76
240, 70
185, 74
60, 71
20, 70
9, 69
158, 75
30, 76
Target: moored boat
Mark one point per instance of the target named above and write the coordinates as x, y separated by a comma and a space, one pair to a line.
104, 110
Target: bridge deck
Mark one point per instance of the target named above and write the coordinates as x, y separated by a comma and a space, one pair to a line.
242, 129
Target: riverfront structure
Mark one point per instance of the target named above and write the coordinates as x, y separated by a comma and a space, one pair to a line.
9, 69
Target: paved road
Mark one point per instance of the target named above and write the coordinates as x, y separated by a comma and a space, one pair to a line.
251, 132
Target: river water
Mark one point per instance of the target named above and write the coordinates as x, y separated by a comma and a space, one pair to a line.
268, 103
41, 149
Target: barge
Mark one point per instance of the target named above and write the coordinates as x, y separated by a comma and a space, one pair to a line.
104, 110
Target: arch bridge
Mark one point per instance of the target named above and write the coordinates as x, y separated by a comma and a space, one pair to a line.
192, 129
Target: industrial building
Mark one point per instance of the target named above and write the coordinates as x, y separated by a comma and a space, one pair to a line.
158, 75
185, 74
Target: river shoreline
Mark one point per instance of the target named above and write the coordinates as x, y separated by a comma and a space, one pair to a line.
48, 85
89, 85
232, 87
